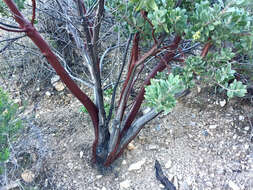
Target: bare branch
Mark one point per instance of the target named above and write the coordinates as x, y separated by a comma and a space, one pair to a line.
104, 55
34, 11
12, 40
8, 25
136, 127
118, 79
12, 30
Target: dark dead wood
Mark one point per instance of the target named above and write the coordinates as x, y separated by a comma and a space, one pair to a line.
162, 178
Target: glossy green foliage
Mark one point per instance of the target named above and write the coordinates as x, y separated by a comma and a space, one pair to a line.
227, 26
162, 91
9, 125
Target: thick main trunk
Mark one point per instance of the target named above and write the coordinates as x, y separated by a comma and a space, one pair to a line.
101, 147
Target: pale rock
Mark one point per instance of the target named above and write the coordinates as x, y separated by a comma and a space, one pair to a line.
152, 147
220, 171
246, 146
48, 93
70, 165
193, 124
124, 162
59, 86
81, 154
55, 79
103, 188
161, 186
233, 186
28, 176
209, 184
125, 184
241, 117
213, 126
131, 146
137, 165
99, 176
168, 164
223, 103
18, 101
141, 137
198, 89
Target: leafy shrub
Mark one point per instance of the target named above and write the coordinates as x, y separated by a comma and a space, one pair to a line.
172, 32
9, 126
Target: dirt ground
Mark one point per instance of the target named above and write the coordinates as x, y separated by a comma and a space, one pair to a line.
205, 143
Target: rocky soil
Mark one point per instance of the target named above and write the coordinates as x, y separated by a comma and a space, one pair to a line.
205, 143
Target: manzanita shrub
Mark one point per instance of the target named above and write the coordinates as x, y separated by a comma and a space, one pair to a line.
186, 40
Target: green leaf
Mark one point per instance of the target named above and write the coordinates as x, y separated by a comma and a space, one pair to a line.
160, 94
4, 154
236, 89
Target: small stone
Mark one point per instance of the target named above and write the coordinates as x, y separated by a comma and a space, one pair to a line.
205, 133
201, 160
213, 126
81, 154
99, 176
247, 128
152, 147
158, 128
198, 89
103, 188
141, 137
137, 165
131, 146
193, 124
168, 164
246, 146
59, 86
125, 184
18, 101
241, 117
48, 93
38, 89
70, 165
55, 79
124, 162
220, 171
209, 184
28, 176
233, 186
223, 103
161, 186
